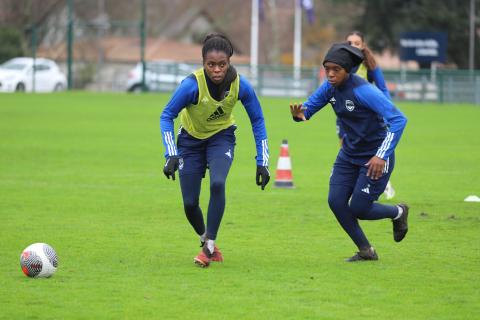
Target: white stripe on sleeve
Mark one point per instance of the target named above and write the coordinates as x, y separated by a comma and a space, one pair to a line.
385, 145
387, 164
173, 144
265, 152
172, 150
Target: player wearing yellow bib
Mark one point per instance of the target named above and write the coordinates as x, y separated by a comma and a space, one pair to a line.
205, 101
209, 116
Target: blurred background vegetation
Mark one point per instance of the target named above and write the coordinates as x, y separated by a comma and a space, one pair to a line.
381, 20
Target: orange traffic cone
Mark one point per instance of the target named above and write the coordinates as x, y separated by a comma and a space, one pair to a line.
284, 168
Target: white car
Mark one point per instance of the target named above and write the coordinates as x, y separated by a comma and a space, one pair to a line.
18, 75
159, 75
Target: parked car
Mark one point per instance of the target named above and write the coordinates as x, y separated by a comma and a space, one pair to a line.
159, 75
18, 74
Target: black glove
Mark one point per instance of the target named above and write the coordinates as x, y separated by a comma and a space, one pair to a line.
171, 165
264, 174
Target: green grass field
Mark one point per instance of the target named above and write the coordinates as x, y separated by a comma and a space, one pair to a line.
83, 172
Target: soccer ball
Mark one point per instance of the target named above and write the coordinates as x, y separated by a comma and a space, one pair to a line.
39, 260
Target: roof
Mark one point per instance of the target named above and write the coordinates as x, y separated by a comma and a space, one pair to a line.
29, 60
127, 49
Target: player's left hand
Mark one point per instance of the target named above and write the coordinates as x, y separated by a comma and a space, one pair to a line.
171, 165
263, 176
376, 166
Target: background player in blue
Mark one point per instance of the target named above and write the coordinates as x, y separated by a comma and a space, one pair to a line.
206, 139
373, 126
370, 71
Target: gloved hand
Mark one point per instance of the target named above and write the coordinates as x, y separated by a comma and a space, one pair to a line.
263, 176
171, 165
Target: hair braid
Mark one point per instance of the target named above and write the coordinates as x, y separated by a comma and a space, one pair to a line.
369, 59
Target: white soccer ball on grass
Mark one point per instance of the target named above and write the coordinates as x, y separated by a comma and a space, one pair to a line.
39, 260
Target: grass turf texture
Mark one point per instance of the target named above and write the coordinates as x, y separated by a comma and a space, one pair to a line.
83, 172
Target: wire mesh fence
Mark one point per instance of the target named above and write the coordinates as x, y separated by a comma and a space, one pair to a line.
100, 54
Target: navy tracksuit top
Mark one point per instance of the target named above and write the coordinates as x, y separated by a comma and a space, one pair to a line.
372, 124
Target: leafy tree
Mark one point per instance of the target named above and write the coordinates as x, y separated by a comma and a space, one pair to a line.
12, 43
384, 20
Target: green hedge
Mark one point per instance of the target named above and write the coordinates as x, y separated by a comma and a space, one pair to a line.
12, 43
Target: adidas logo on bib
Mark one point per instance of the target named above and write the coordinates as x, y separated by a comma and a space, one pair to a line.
217, 114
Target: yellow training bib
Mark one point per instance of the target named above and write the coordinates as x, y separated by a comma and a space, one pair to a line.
209, 116
362, 71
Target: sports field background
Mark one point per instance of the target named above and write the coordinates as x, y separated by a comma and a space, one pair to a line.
83, 173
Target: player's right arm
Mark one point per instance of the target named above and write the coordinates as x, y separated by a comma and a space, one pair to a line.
314, 103
393, 117
185, 94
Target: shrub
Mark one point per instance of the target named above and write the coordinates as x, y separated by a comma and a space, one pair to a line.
12, 43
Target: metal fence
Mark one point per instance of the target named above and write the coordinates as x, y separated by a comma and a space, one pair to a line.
94, 56
99, 56
450, 86
92, 71
93, 53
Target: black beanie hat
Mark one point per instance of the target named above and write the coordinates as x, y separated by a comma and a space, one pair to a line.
344, 55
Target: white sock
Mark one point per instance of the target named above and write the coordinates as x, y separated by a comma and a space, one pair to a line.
203, 237
400, 212
210, 245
